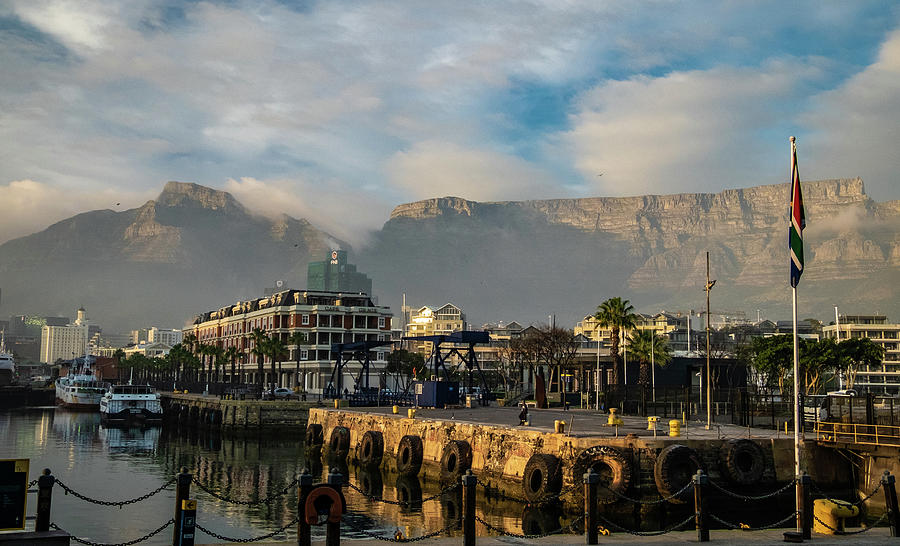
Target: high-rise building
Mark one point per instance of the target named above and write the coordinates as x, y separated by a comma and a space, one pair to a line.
65, 342
336, 275
883, 377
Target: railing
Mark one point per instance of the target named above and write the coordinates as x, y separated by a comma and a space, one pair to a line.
858, 433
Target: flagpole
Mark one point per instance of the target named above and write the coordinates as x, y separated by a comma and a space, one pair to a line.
797, 414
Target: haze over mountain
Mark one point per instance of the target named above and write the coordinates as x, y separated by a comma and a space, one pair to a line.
194, 249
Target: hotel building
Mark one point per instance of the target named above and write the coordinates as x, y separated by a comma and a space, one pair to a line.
65, 342
324, 317
883, 377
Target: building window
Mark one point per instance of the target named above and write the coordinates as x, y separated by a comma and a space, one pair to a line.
379, 355
381, 322
304, 354
304, 320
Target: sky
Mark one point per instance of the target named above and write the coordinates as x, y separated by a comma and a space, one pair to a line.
338, 111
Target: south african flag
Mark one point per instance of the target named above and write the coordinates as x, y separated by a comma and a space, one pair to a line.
798, 220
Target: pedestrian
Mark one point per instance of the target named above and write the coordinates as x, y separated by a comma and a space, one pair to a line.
523, 414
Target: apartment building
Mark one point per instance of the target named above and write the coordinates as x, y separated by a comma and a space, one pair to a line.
884, 377
431, 321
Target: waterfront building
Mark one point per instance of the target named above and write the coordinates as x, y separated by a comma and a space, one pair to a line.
335, 274
166, 337
662, 323
325, 318
431, 321
150, 349
66, 342
883, 377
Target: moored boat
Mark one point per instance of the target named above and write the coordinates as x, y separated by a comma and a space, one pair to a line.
80, 389
130, 403
7, 366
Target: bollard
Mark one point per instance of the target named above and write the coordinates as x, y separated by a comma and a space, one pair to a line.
468, 484
700, 482
182, 493
188, 522
45, 494
333, 530
804, 493
591, 481
304, 529
890, 503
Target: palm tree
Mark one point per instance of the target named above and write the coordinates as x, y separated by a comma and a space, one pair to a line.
297, 339
218, 355
260, 340
615, 313
119, 355
648, 348
231, 354
275, 348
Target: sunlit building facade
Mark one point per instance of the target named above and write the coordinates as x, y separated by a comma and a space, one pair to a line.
883, 377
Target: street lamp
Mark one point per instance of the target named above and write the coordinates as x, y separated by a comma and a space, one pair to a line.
708, 288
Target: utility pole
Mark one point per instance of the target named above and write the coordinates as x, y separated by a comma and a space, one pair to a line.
709, 285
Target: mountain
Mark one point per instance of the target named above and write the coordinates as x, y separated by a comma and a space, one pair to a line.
190, 250
526, 260
194, 249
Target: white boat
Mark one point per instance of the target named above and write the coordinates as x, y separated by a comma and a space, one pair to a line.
130, 403
80, 389
7, 364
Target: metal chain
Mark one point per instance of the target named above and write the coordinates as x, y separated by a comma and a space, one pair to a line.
764, 527
647, 533
385, 538
754, 497
863, 530
266, 500
818, 491
120, 504
129, 543
657, 501
245, 540
539, 502
400, 502
561, 530
32, 483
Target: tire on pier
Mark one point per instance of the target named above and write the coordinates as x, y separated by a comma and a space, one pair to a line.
371, 449
743, 461
315, 436
339, 443
613, 466
674, 469
409, 455
542, 477
455, 460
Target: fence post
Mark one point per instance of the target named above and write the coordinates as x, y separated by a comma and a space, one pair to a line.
890, 502
468, 484
304, 529
804, 493
45, 494
700, 481
182, 492
591, 480
333, 530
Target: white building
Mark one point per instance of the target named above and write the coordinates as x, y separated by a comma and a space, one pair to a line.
65, 342
883, 377
167, 337
149, 350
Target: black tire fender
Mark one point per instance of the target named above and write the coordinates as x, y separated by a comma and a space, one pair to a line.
743, 461
675, 468
542, 477
315, 436
339, 442
455, 460
409, 455
614, 467
371, 448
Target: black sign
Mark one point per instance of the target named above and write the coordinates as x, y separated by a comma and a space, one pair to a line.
188, 522
13, 492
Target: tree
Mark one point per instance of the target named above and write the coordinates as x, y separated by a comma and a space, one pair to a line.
119, 355
297, 339
405, 367
259, 349
231, 355
555, 346
276, 349
615, 314
641, 345
859, 352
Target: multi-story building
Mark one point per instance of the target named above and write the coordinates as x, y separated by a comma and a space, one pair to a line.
336, 275
883, 377
430, 321
150, 350
661, 323
325, 318
166, 337
65, 342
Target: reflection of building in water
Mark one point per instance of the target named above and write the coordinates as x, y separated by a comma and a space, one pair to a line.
79, 427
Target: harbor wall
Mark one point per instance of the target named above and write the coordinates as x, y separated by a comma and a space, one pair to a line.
214, 412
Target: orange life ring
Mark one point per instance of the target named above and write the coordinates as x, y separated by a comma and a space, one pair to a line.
338, 506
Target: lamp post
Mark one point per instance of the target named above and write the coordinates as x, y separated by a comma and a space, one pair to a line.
709, 286
652, 363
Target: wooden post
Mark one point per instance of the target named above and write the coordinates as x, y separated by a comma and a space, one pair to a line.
468, 484
804, 493
890, 503
45, 494
182, 492
333, 530
591, 481
700, 482
304, 529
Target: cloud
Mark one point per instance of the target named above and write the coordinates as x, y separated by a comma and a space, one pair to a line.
855, 128
436, 169
28, 206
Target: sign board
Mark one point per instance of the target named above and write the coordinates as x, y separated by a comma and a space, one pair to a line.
188, 522
13, 493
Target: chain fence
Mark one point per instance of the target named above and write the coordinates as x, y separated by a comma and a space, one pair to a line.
540, 502
669, 529
401, 502
786, 486
120, 504
860, 531
824, 495
657, 501
268, 500
745, 527
246, 540
503, 532
129, 543
398, 536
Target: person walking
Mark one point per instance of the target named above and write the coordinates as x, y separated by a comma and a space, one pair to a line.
523, 414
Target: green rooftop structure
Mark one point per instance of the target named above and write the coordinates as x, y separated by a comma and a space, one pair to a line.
336, 275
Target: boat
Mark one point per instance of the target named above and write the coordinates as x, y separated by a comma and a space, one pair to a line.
7, 364
80, 389
129, 404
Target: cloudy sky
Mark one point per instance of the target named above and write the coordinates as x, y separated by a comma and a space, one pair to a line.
338, 111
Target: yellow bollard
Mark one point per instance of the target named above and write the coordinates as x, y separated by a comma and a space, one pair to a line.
411, 413
674, 427
396, 410
614, 419
830, 515
337, 403
651, 422
559, 426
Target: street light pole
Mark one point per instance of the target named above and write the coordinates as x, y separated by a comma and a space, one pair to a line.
652, 363
709, 285
597, 377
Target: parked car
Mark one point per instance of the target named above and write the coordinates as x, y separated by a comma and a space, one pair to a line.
283, 393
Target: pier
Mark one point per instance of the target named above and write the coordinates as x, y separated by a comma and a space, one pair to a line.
234, 414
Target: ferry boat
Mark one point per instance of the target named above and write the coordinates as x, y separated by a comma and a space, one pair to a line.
130, 403
80, 389
7, 364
